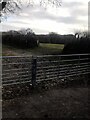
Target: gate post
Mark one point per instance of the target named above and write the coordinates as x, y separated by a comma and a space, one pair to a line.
34, 67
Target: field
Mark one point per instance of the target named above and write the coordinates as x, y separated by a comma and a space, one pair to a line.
43, 49
69, 102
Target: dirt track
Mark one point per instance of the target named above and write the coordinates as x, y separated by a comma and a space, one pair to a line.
72, 102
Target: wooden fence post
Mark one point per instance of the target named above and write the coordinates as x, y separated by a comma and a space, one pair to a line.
34, 67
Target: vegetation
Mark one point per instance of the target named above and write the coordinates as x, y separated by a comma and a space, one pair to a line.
42, 49
79, 46
21, 39
15, 6
27, 42
56, 38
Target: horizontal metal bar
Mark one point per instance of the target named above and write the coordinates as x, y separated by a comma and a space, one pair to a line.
64, 68
6, 64
77, 74
9, 84
61, 77
18, 69
44, 79
62, 72
16, 73
58, 62
83, 71
59, 66
46, 72
40, 79
74, 64
75, 67
16, 80
64, 55
30, 56
16, 63
63, 64
47, 67
76, 71
21, 79
70, 60
57, 75
13, 77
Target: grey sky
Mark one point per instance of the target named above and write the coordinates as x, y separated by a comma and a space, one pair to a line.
72, 15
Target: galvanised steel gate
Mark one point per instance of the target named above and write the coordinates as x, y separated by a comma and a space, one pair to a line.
33, 69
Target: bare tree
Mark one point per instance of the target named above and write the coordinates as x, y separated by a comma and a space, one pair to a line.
2, 5
13, 5
81, 34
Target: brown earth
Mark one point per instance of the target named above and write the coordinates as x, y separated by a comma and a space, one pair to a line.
69, 102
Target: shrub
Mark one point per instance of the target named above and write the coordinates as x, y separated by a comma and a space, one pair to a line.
78, 46
19, 40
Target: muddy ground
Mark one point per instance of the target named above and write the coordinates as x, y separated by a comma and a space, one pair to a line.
57, 102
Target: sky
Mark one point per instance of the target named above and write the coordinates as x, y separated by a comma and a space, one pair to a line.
70, 17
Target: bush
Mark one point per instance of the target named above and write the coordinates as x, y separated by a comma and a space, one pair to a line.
19, 40
78, 46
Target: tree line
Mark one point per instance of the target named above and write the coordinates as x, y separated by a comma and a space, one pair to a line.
17, 39
28, 39
55, 38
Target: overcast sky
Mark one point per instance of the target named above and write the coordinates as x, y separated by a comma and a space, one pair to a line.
72, 15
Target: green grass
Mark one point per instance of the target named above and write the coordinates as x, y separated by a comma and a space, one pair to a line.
52, 46
42, 49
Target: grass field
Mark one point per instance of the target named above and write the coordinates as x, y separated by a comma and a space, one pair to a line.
43, 49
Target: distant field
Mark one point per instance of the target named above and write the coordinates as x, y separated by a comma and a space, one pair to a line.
43, 49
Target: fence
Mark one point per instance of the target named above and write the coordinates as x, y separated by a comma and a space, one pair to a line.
17, 70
